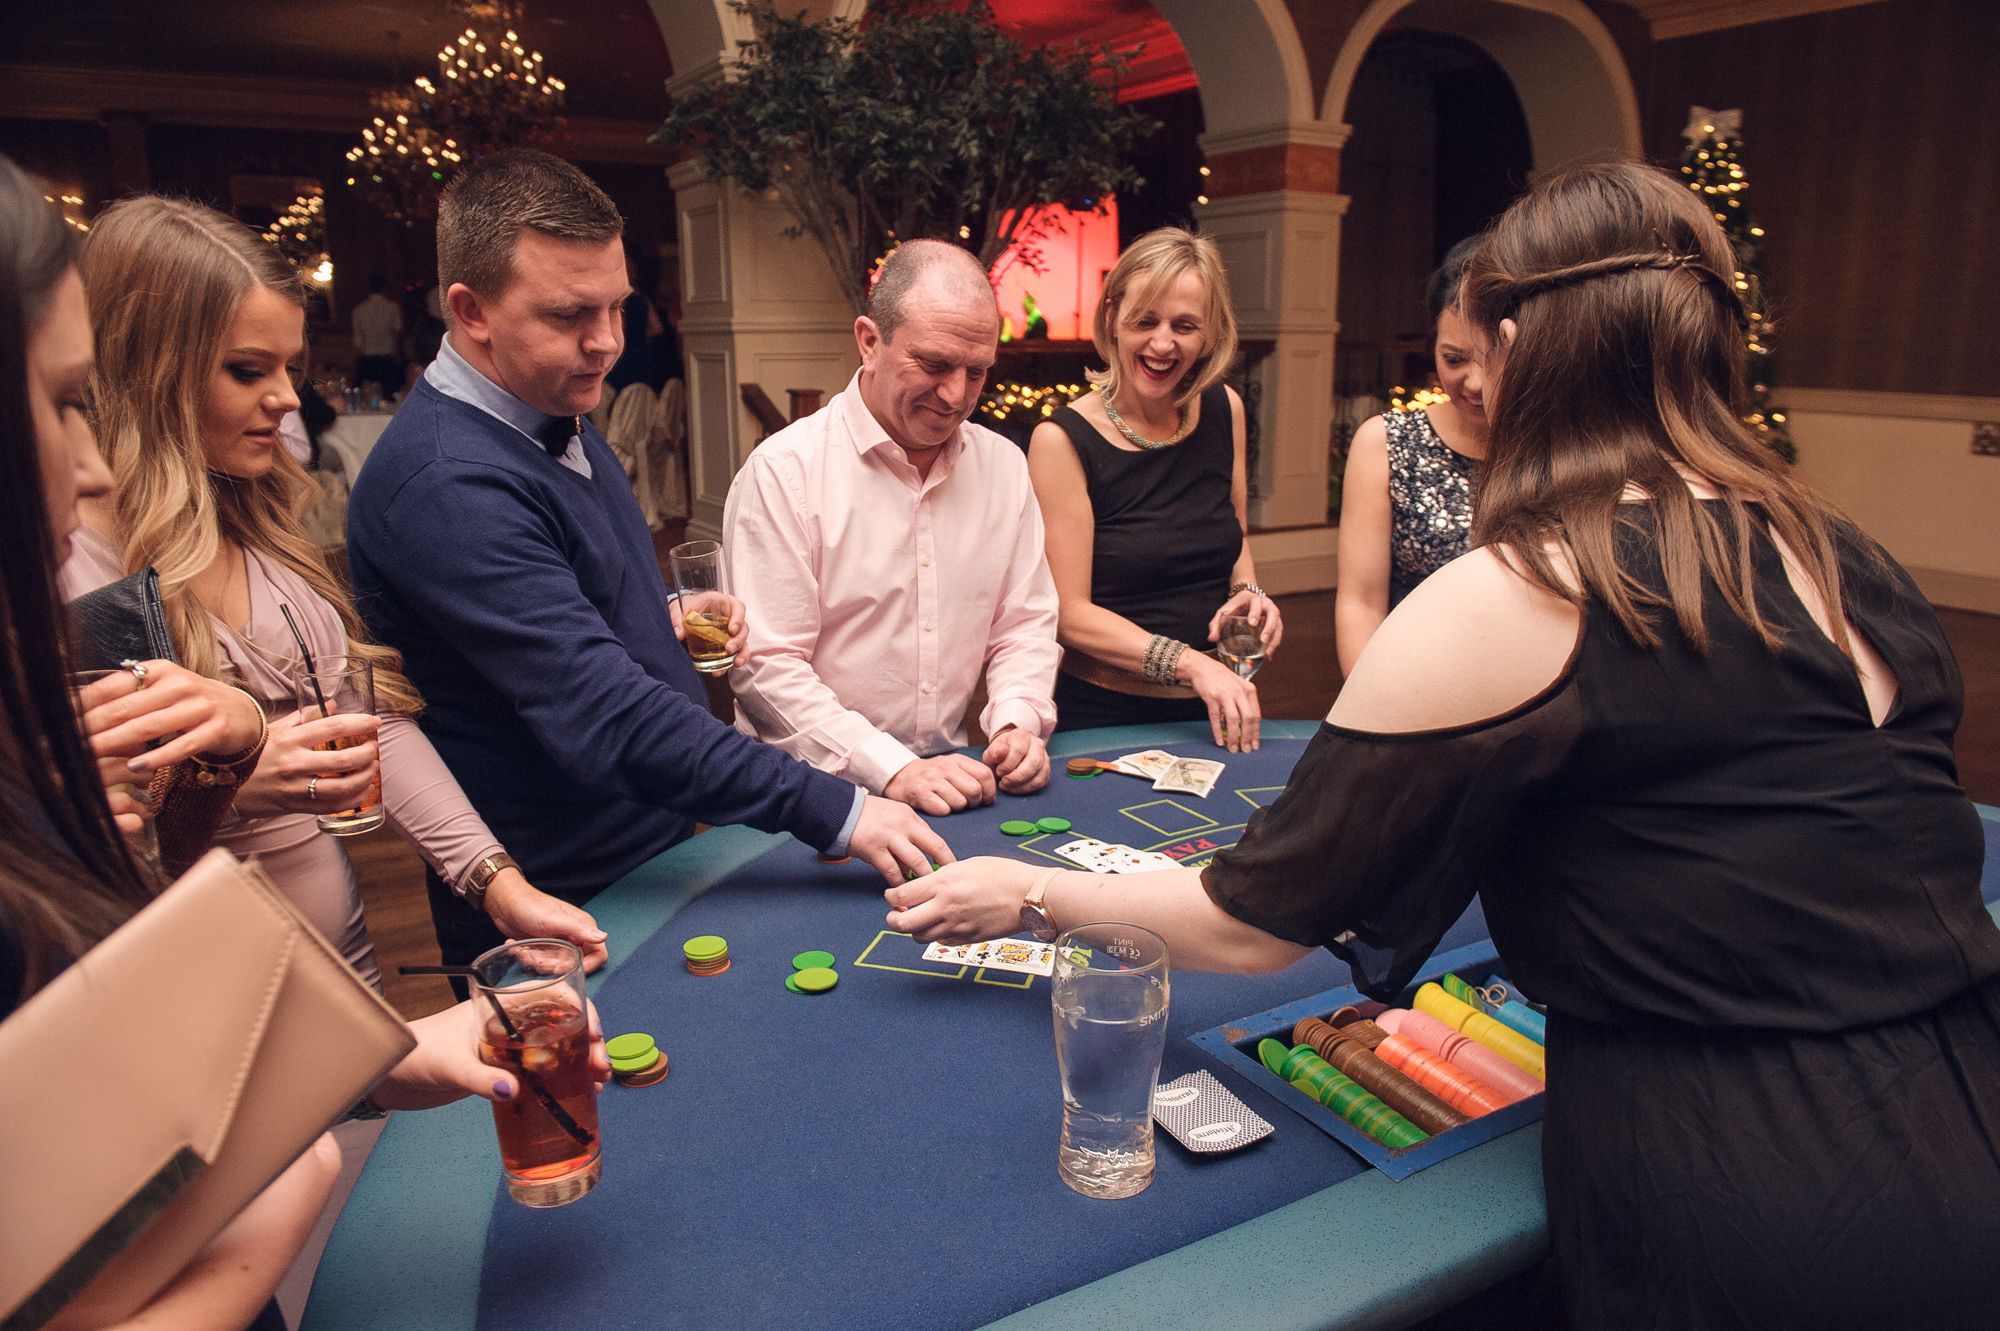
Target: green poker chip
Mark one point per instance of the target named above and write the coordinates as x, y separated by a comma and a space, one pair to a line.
792, 983
705, 947
1085, 776
815, 979
814, 960
633, 1045
1016, 827
1052, 824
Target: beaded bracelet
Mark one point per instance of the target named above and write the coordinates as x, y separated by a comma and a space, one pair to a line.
1250, 587
1162, 658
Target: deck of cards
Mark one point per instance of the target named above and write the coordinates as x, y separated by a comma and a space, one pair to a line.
1203, 1116
1187, 776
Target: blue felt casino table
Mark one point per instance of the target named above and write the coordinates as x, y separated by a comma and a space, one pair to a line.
883, 1155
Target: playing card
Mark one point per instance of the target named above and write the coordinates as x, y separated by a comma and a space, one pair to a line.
1087, 853
1203, 1116
1151, 764
1190, 776
1022, 956
1145, 861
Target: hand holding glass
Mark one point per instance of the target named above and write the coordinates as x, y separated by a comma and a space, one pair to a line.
336, 684
700, 588
536, 1025
1240, 645
1110, 1003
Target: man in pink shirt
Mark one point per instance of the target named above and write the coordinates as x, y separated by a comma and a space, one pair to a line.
888, 552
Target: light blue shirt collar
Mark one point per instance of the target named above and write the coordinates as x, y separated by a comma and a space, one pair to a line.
454, 376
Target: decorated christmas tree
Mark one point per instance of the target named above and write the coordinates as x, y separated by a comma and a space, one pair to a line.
1713, 168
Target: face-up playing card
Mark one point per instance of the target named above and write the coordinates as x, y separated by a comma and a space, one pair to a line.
1152, 764
1203, 1116
1087, 853
1190, 776
1022, 956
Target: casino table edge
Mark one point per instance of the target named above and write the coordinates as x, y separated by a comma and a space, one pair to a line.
1366, 1252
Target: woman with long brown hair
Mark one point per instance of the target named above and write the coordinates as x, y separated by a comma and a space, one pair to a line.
1688, 733
199, 324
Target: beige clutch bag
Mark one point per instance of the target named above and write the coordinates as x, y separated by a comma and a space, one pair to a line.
155, 1087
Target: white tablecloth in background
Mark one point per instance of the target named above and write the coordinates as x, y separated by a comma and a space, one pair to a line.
353, 436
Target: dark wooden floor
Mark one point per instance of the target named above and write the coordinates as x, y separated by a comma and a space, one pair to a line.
1299, 682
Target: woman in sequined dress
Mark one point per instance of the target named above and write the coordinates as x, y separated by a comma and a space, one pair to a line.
1406, 503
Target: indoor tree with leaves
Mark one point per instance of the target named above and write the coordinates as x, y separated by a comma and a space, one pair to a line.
1713, 168
925, 119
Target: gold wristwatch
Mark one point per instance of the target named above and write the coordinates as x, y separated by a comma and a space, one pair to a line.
481, 878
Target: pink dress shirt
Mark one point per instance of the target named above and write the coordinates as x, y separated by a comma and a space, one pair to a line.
876, 597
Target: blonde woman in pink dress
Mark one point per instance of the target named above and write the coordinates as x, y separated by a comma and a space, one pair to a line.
198, 325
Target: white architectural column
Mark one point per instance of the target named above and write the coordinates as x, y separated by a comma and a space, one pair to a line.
1275, 216
757, 308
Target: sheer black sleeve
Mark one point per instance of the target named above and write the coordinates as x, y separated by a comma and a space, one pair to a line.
1379, 841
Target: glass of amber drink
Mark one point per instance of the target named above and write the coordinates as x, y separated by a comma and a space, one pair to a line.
704, 602
536, 1025
330, 686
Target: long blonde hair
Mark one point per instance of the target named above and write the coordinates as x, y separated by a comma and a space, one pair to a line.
164, 279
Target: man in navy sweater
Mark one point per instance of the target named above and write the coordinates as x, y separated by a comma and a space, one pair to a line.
494, 541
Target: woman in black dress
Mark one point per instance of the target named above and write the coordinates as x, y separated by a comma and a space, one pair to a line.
1144, 497
1689, 734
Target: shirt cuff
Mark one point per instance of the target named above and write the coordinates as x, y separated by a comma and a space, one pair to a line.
839, 847
1018, 713
876, 760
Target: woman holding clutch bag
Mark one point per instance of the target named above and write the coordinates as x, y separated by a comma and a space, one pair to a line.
67, 878
188, 394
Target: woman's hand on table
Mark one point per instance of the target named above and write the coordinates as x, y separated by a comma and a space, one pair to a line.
445, 1065
1260, 610
967, 902
519, 909
184, 713
284, 780
1234, 717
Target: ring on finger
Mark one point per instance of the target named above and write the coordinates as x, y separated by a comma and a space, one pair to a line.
312, 790
138, 669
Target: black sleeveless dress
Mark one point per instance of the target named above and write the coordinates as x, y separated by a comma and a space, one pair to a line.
1164, 541
1774, 1018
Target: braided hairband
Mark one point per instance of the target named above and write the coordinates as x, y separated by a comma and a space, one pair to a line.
1519, 289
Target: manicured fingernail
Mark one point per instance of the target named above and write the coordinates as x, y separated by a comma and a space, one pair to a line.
502, 1089
141, 765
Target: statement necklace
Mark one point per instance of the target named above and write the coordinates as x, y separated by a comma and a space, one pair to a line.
1141, 440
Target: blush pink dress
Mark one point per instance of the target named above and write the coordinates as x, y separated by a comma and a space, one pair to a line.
419, 795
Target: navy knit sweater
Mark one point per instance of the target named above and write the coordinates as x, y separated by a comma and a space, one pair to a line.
528, 605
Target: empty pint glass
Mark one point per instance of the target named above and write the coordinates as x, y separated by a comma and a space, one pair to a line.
1110, 1000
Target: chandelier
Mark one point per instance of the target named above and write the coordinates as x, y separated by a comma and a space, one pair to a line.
401, 163
489, 92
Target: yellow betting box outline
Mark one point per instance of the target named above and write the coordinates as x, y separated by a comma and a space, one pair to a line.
1248, 791
1202, 823
1012, 982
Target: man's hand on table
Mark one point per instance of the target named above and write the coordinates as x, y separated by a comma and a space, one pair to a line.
1020, 759
946, 784
519, 909
899, 844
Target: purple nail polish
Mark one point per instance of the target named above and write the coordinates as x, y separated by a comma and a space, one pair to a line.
502, 1089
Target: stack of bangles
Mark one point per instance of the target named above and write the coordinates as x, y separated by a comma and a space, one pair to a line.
1163, 655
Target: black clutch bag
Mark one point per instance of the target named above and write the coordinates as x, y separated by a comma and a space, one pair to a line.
121, 621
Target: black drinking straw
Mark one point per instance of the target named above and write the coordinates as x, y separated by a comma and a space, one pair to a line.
576, 1130
312, 672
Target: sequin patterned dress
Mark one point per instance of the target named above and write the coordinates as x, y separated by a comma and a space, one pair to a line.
1430, 501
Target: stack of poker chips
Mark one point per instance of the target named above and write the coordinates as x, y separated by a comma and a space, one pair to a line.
636, 1060
1507, 1080
707, 954
812, 973
1510, 1044
1401, 1093
1493, 1001
1342, 1094
1436, 1074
